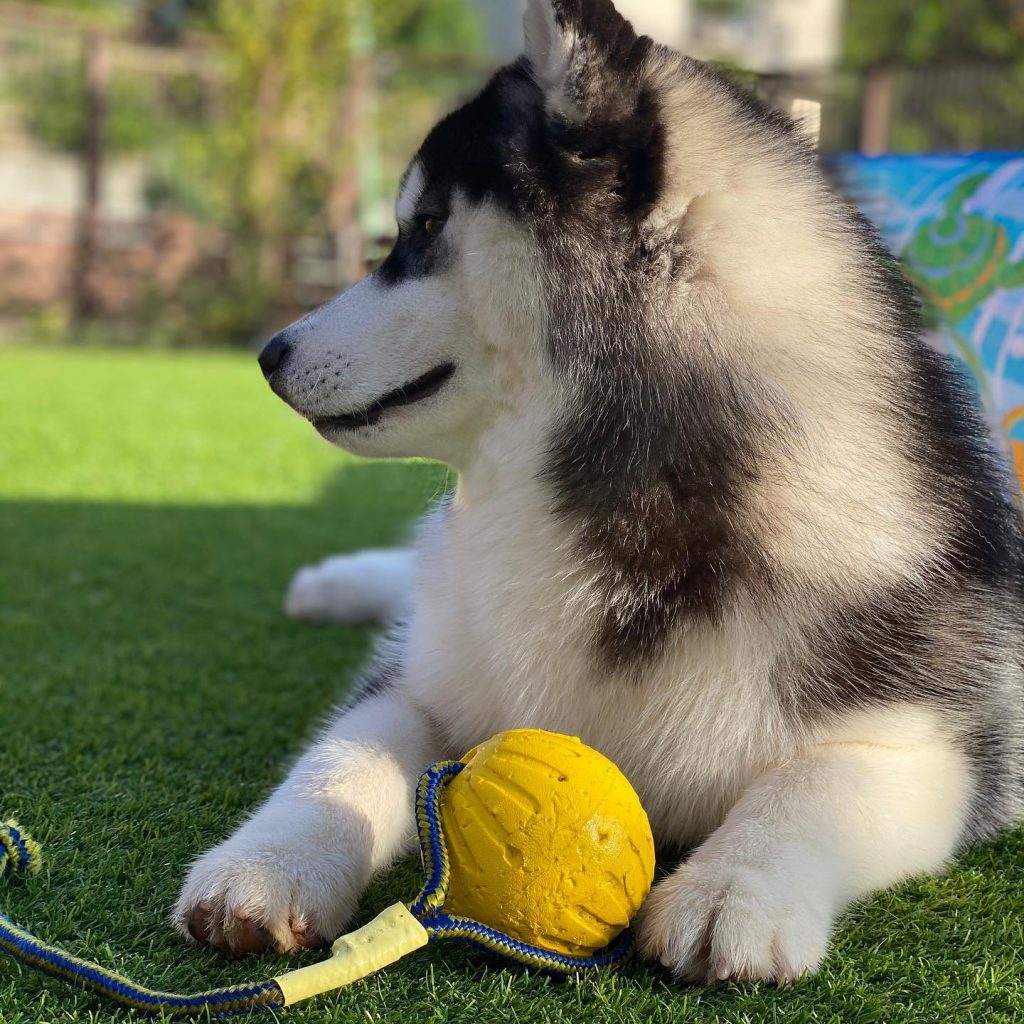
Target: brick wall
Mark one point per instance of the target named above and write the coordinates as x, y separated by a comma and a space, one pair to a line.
37, 250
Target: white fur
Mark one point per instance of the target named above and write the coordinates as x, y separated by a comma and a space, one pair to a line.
374, 338
792, 823
550, 48
412, 190
830, 825
798, 827
371, 586
345, 811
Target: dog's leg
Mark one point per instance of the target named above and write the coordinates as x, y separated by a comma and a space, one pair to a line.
758, 899
371, 586
291, 876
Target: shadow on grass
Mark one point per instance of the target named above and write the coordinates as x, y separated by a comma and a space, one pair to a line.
156, 689
152, 693
144, 657
115, 614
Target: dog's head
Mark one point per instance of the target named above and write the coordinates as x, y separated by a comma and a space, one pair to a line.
538, 206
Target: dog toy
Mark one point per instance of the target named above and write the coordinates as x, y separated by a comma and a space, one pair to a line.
534, 847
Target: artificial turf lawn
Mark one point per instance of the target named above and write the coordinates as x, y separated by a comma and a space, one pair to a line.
152, 508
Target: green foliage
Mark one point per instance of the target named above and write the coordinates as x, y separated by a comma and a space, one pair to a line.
78, 5
210, 308
55, 109
428, 26
260, 145
724, 8
447, 25
743, 77
264, 168
957, 110
281, 143
112, 10
965, 83
920, 32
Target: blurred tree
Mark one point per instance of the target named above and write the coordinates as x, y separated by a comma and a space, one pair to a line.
725, 8
114, 8
54, 103
162, 21
279, 146
932, 31
286, 154
443, 25
965, 81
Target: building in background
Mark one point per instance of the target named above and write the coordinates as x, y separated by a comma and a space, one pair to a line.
775, 37
668, 21
769, 36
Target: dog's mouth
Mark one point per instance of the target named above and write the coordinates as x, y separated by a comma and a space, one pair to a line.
414, 391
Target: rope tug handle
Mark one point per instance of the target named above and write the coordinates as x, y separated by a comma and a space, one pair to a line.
399, 930
381, 942
20, 855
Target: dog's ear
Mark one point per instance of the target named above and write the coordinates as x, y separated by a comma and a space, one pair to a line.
584, 56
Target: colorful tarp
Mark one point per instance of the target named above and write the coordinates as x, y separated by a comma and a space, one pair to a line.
957, 225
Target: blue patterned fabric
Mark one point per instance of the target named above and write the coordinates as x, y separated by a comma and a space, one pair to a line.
956, 223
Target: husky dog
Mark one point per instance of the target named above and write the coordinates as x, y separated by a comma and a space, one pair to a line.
720, 513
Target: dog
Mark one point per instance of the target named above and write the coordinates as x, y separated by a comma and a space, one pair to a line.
720, 513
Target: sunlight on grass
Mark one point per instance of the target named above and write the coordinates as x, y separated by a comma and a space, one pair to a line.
150, 427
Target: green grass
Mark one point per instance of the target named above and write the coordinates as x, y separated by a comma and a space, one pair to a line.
152, 508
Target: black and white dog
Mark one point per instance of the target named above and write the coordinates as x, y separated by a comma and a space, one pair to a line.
720, 513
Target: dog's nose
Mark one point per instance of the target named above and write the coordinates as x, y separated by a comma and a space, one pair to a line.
274, 354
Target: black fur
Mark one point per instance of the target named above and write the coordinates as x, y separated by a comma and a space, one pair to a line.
997, 776
378, 679
655, 457
919, 645
932, 641
467, 152
503, 147
653, 462
951, 445
945, 434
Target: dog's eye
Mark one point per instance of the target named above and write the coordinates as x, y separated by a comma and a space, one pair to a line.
430, 226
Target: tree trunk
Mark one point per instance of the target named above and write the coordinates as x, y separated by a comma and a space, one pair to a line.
84, 300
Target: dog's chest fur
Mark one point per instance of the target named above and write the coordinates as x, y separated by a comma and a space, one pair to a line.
502, 638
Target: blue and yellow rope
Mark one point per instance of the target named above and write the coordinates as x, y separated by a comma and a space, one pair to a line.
20, 854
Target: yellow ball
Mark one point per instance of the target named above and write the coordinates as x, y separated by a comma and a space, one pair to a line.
547, 842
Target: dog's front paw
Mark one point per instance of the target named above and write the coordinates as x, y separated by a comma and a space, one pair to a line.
247, 897
372, 586
717, 921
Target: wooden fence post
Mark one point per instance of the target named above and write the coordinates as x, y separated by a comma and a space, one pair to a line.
96, 70
345, 191
876, 113
356, 189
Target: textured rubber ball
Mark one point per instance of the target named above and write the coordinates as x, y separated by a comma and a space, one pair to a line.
547, 841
